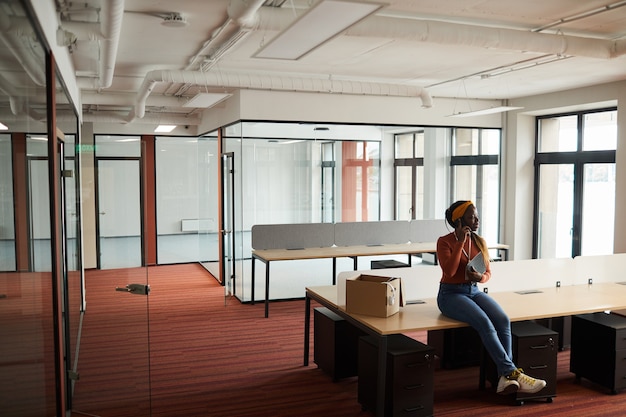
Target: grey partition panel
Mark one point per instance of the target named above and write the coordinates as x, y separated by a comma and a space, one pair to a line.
428, 230
371, 233
292, 236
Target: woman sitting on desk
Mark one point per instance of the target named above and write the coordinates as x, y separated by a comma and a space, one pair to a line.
459, 298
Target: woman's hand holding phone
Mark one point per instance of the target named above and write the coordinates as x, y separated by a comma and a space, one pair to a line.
462, 230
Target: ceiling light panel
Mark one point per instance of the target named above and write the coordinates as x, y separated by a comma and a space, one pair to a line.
164, 128
206, 100
499, 109
322, 22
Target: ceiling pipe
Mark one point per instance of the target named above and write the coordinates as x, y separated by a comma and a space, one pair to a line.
128, 99
242, 17
153, 119
112, 16
107, 33
277, 19
274, 19
269, 82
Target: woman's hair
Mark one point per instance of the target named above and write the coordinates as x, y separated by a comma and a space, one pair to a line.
453, 215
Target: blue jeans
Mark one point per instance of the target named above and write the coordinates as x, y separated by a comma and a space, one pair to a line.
466, 303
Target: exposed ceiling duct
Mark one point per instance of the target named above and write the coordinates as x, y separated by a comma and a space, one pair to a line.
107, 32
269, 82
277, 19
413, 27
462, 34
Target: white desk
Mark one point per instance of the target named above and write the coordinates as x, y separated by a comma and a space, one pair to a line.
524, 305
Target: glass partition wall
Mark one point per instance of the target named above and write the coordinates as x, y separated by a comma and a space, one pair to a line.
40, 268
212, 189
280, 173
296, 173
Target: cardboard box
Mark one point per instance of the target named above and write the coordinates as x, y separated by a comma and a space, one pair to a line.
373, 295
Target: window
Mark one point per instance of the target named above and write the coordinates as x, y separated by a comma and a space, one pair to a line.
575, 184
475, 173
409, 175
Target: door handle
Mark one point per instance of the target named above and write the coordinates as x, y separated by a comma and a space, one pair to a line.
140, 289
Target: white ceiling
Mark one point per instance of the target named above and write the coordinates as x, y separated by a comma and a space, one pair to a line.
450, 48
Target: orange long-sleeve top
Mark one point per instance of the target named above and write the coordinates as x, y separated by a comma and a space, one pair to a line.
453, 261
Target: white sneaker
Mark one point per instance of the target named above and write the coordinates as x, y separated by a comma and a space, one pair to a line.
527, 384
507, 386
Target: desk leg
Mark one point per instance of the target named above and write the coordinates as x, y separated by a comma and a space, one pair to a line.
252, 289
334, 271
307, 328
356, 262
382, 375
267, 289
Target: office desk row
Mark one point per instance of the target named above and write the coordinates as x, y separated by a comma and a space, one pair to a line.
269, 255
519, 305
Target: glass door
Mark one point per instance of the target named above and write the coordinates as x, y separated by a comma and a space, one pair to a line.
113, 373
119, 213
208, 192
73, 302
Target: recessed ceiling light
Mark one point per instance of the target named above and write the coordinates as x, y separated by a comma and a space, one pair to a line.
164, 128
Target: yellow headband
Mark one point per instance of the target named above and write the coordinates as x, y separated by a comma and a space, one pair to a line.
460, 211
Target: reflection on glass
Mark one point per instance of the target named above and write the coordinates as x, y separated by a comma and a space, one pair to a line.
27, 367
7, 223
39, 205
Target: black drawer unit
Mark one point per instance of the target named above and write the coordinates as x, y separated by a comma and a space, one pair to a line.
563, 326
336, 344
409, 380
456, 348
535, 350
598, 350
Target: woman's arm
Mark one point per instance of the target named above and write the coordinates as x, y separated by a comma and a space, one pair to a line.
449, 255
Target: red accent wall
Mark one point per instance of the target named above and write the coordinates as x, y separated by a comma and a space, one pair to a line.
20, 201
